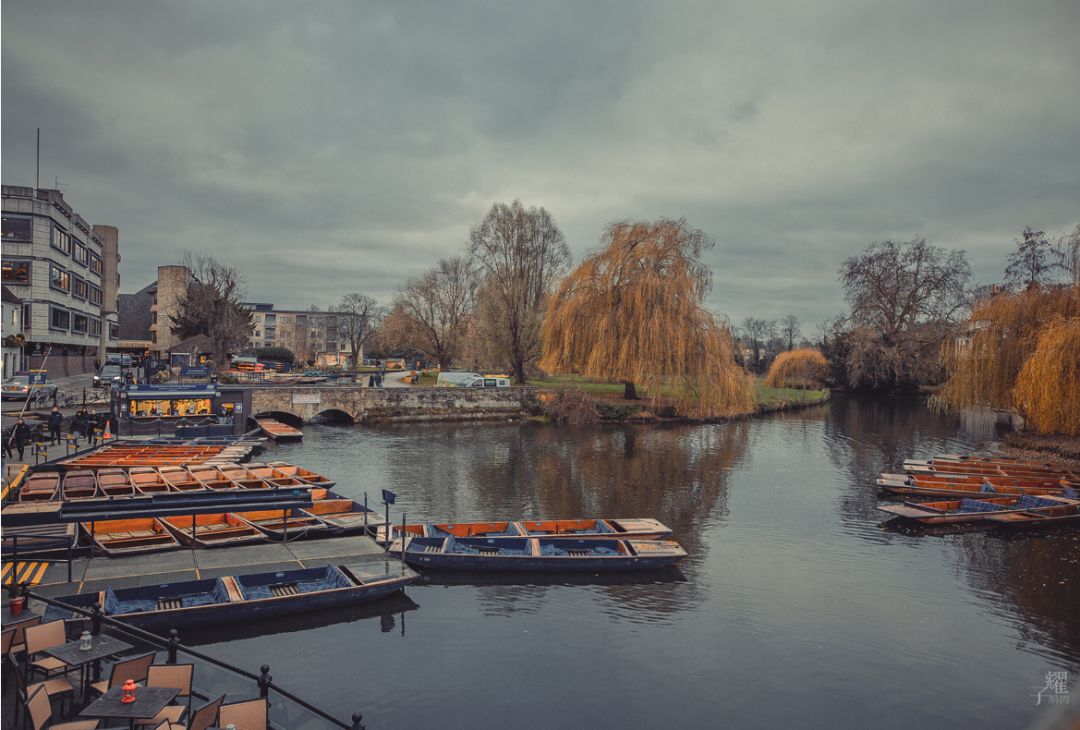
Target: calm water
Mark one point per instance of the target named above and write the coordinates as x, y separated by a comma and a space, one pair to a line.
794, 608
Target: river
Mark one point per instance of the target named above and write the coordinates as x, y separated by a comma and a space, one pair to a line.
794, 608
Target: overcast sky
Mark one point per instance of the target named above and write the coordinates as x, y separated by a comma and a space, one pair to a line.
328, 147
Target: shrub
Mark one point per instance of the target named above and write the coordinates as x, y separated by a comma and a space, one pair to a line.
802, 368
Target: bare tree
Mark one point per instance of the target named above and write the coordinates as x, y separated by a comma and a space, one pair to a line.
522, 254
212, 307
789, 329
437, 305
756, 334
1033, 260
358, 317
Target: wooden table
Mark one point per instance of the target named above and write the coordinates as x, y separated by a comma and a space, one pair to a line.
103, 646
149, 701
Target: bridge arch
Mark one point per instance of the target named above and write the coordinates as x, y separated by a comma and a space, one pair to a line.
334, 417
285, 417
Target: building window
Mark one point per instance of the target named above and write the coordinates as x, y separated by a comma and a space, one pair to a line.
82, 289
16, 272
61, 240
59, 279
80, 254
95, 263
59, 319
18, 229
95, 326
95, 295
79, 323
114, 332
26, 310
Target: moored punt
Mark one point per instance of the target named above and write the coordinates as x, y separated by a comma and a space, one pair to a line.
988, 468
342, 515
284, 469
244, 478
273, 477
114, 483
279, 431
241, 597
911, 485
130, 536
211, 477
212, 530
638, 528
80, 484
283, 524
993, 480
40, 486
540, 554
147, 480
1025, 508
179, 479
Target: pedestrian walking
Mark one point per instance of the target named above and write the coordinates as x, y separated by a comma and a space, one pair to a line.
56, 422
97, 365
91, 427
21, 436
371, 381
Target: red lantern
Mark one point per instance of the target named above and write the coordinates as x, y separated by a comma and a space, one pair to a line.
127, 692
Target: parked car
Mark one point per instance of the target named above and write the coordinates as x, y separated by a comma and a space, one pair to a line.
18, 386
108, 376
489, 383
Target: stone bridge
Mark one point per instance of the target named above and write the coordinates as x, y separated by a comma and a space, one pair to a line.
358, 404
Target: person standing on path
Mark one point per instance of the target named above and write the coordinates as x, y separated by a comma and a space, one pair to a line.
91, 428
21, 436
56, 422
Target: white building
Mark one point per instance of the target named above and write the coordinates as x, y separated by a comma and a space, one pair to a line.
12, 332
55, 263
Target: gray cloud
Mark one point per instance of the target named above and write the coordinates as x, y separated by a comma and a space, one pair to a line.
329, 147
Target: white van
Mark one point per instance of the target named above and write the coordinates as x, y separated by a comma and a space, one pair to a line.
456, 379
488, 383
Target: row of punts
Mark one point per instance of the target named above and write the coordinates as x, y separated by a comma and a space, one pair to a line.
139, 453
118, 482
982, 490
279, 431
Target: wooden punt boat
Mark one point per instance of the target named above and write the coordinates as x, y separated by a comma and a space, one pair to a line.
283, 524
213, 530
541, 554
211, 477
1025, 508
285, 469
40, 486
240, 598
244, 478
81, 484
589, 529
179, 479
911, 486
342, 515
130, 536
114, 482
278, 430
147, 480
976, 479
934, 466
270, 476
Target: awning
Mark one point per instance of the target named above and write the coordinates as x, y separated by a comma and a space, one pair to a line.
172, 394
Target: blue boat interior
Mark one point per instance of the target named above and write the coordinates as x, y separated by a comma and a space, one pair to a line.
1029, 501
968, 505
291, 582
164, 597
579, 548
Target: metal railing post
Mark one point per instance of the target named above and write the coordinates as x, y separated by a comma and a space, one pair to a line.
357, 721
264, 680
174, 641
95, 620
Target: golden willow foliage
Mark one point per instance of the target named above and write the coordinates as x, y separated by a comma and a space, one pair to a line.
633, 312
802, 368
1006, 330
1048, 389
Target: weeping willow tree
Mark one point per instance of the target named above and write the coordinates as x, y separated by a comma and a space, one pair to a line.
1003, 333
1048, 389
1007, 338
633, 312
802, 368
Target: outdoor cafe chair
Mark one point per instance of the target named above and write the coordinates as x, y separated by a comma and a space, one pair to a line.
134, 669
42, 637
249, 715
39, 709
55, 687
18, 644
204, 717
177, 676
